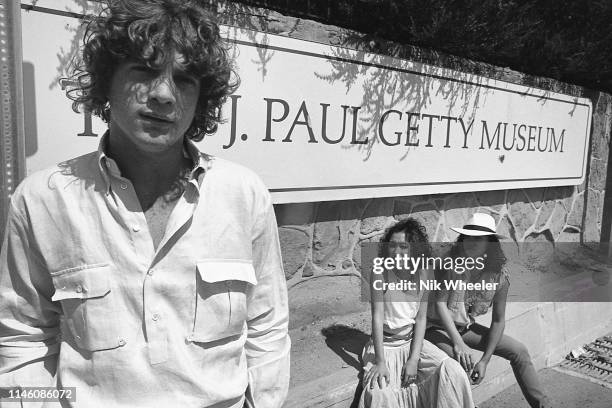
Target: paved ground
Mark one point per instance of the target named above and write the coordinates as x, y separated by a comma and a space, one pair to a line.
565, 391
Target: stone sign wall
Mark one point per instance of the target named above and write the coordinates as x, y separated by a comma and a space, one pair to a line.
323, 238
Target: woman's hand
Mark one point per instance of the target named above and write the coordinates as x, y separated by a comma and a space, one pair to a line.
409, 372
478, 372
378, 375
463, 355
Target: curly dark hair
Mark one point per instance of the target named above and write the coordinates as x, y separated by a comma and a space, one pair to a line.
150, 31
415, 233
495, 257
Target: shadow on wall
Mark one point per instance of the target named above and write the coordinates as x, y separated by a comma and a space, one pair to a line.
407, 84
66, 57
29, 109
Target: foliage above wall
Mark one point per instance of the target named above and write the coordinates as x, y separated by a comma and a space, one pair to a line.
568, 40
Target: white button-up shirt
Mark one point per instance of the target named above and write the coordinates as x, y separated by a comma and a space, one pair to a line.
87, 302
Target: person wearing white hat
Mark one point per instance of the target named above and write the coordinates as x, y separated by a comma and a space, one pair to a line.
451, 323
479, 225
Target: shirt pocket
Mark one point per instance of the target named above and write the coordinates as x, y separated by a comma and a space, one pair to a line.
221, 299
87, 302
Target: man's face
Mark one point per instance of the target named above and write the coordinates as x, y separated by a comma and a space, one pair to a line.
151, 109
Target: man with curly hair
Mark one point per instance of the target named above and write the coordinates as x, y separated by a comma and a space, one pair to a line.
147, 273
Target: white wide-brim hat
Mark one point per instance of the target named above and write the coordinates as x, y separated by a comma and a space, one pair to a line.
479, 225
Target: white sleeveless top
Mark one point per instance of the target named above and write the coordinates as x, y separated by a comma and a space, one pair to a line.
400, 308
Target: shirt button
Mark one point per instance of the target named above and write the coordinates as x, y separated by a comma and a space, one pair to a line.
79, 289
150, 272
123, 186
136, 228
156, 317
121, 342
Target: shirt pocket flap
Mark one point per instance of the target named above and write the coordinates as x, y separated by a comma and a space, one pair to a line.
83, 282
224, 270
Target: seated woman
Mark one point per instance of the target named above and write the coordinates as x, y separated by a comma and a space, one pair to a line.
401, 369
451, 324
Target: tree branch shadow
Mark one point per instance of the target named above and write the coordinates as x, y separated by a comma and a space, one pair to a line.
394, 82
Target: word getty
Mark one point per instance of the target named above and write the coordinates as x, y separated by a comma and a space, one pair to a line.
413, 264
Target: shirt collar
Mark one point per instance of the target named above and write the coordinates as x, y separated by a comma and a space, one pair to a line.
201, 162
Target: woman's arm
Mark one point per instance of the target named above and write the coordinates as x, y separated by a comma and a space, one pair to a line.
460, 349
377, 324
420, 323
419, 329
379, 373
498, 323
410, 367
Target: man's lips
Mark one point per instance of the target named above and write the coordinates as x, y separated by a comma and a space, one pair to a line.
157, 118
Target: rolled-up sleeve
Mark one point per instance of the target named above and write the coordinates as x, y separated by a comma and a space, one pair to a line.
29, 320
268, 343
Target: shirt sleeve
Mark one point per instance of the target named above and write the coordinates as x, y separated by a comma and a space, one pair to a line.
267, 345
29, 320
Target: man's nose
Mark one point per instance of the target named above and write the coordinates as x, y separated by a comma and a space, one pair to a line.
162, 90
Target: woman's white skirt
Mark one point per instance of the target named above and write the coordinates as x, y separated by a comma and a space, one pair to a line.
441, 381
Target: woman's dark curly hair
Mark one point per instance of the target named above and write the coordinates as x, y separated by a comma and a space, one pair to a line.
151, 31
415, 233
495, 257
